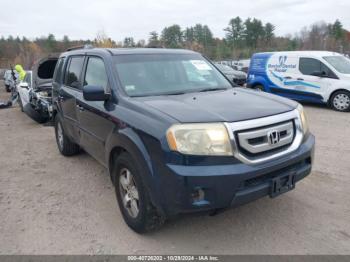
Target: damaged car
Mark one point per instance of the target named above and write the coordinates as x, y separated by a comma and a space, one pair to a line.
35, 91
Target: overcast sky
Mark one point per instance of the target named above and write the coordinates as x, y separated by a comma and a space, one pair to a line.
82, 19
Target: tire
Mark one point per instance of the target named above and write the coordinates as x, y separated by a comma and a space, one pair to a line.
340, 101
145, 217
259, 88
35, 115
8, 89
64, 144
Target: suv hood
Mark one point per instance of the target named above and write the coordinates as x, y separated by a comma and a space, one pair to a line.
236, 104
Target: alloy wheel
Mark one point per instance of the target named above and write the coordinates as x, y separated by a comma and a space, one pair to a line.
341, 102
60, 135
129, 192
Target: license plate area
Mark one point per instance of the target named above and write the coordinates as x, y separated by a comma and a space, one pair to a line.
282, 184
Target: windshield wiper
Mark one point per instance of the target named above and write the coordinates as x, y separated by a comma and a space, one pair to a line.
212, 89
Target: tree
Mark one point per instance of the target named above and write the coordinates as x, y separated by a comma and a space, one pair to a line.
172, 36
51, 43
153, 40
254, 31
235, 32
102, 40
337, 30
128, 42
269, 33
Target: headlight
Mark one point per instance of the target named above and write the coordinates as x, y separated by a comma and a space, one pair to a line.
303, 119
200, 139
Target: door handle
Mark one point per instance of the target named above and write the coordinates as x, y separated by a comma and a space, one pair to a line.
287, 77
81, 108
300, 79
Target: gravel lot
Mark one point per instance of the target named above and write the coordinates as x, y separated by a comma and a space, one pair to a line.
50, 204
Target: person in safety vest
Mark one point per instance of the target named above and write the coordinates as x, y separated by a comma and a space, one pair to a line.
20, 72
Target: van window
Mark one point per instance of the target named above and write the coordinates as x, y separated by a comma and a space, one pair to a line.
75, 65
96, 73
308, 66
58, 72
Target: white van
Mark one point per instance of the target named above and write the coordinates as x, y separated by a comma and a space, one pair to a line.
312, 76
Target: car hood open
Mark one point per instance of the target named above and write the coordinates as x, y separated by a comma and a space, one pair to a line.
43, 69
230, 105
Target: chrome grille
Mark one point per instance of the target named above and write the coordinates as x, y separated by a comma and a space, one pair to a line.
267, 138
250, 138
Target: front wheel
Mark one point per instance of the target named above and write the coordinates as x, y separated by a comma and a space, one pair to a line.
133, 197
340, 101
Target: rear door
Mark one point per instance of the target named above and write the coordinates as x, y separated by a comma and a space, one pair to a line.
94, 123
71, 88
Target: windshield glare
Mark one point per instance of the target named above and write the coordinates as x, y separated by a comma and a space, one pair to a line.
340, 63
167, 74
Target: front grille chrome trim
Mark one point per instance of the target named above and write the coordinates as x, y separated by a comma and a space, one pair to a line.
260, 123
264, 146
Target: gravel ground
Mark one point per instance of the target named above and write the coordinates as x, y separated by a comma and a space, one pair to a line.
50, 204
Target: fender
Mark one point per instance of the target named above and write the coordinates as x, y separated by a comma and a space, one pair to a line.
130, 141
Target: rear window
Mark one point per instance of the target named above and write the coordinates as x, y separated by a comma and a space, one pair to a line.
58, 72
47, 68
75, 66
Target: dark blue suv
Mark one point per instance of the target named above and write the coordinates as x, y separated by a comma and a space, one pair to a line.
175, 135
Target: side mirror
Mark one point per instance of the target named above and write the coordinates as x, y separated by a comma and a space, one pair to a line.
24, 85
94, 93
319, 74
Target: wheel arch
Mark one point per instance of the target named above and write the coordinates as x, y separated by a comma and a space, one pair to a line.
333, 92
127, 140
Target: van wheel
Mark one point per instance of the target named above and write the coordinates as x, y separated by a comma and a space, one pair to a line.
65, 145
133, 198
8, 89
259, 88
340, 101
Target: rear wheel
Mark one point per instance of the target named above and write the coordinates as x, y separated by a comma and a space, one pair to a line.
340, 101
259, 88
65, 145
133, 197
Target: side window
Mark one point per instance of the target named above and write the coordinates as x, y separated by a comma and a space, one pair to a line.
58, 71
96, 73
307, 66
328, 71
75, 65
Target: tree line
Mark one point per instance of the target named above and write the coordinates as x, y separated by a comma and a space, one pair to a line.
242, 39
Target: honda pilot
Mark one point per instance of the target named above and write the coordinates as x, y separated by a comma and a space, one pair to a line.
175, 135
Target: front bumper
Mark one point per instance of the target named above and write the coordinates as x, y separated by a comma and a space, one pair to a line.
227, 185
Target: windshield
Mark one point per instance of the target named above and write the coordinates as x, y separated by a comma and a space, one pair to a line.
224, 68
167, 74
340, 63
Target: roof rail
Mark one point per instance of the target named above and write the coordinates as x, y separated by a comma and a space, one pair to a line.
87, 46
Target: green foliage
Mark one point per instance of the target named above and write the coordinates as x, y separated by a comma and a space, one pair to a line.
242, 39
172, 36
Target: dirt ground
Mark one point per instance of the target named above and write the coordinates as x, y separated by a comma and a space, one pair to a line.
50, 204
